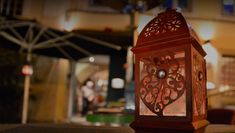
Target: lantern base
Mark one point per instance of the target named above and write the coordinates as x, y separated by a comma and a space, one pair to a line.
169, 127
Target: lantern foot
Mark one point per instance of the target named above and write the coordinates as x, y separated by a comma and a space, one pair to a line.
169, 127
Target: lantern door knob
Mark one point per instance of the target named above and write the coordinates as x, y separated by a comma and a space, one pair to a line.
200, 75
161, 74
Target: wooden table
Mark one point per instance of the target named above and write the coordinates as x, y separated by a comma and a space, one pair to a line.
220, 129
74, 128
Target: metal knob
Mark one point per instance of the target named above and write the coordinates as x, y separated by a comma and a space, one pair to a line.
161, 74
200, 75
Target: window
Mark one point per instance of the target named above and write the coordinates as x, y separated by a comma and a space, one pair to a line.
97, 6
53, 10
96, 3
228, 71
183, 5
11, 7
228, 7
168, 4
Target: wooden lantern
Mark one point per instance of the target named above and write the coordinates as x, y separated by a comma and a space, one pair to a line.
170, 77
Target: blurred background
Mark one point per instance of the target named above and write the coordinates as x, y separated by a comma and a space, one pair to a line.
81, 66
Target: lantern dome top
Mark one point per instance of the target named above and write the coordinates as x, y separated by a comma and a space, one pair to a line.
168, 25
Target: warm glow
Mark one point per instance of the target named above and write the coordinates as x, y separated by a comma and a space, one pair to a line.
210, 85
212, 53
100, 82
91, 59
69, 25
206, 31
117, 83
70, 22
27, 70
224, 88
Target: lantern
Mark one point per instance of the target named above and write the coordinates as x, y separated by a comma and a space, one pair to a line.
170, 77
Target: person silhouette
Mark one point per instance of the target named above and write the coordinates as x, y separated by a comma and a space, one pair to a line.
88, 95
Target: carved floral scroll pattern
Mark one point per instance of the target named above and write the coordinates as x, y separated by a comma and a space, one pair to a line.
198, 84
157, 93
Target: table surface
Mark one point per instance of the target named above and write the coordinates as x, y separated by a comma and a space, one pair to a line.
75, 128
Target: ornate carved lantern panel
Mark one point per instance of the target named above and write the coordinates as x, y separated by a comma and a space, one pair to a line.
161, 83
170, 76
199, 81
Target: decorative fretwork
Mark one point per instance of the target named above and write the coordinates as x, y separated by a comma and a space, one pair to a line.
162, 82
199, 84
166, 22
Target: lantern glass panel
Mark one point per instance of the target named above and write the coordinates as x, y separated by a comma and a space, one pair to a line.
162, 88
199, 84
